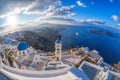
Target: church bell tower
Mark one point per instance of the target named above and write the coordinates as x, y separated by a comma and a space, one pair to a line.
58, 49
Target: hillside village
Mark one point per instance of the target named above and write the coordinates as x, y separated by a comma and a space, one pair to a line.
25, 57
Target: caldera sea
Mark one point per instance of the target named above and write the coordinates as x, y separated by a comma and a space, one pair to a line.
104, 39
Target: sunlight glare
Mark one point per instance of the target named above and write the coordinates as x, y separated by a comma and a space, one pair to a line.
12, 20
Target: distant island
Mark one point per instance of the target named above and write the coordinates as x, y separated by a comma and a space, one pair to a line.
99, 32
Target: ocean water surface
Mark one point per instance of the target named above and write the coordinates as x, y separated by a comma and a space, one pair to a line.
103, 39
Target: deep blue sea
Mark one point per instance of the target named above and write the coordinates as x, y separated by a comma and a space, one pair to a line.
107, 45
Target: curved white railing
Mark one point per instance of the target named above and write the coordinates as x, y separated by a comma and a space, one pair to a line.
29, 73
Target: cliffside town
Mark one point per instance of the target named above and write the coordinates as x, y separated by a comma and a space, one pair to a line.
26, 58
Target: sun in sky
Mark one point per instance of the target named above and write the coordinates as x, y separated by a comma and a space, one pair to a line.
78, 10
12, 20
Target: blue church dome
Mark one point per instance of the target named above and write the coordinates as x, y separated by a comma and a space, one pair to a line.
22, 46
58, 41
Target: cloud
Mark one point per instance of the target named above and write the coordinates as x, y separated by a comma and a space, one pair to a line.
79, 3
96, 21
36, 24
13, 12
71, 15
44, 8
11, 7
93, 21
115, 18
63, 11
118, 25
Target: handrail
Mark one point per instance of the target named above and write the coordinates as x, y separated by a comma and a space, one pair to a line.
49, 73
